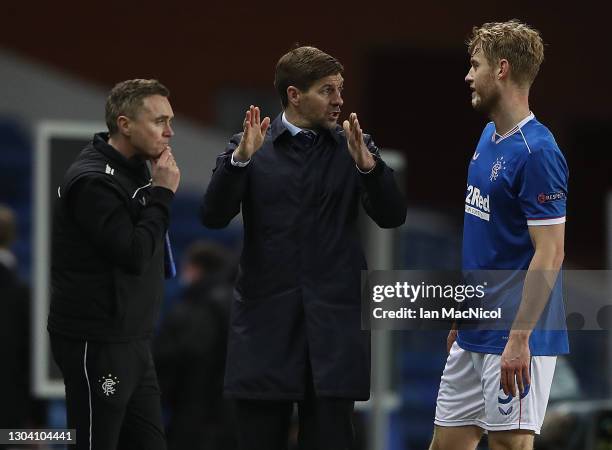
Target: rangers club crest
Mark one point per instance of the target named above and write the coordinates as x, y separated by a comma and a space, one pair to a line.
108, 384
498, 166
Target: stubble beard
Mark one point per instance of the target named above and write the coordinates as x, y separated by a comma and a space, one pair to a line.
487, 99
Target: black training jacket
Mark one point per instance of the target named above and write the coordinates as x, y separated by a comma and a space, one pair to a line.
107, 270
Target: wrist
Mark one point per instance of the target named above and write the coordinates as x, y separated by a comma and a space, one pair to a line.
240, 156
367, 162
520, 335
366, 166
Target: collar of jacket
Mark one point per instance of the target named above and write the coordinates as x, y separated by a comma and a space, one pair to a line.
100, 143
278, 128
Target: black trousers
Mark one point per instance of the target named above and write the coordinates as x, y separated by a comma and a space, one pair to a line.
112, 395
324, 423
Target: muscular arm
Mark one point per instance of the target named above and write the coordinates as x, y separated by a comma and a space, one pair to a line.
548, 241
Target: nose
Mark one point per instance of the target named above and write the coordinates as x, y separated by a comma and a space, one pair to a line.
469, 78
168, 132
337, 100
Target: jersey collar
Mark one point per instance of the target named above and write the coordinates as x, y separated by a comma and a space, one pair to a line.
497, 138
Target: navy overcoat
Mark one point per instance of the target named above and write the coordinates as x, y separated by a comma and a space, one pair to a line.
296, 307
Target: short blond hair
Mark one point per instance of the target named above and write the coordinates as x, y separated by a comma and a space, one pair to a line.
513, 40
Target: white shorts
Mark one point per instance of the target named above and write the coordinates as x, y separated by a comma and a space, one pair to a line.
470, 393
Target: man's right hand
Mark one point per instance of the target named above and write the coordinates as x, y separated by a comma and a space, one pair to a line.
253, 136
165, 172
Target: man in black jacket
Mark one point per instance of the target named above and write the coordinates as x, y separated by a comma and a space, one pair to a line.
295, 332
109, 251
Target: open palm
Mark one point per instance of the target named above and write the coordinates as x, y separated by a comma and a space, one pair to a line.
254, 133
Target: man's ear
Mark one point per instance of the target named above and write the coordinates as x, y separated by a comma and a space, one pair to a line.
123, 125
293, 95
503, 69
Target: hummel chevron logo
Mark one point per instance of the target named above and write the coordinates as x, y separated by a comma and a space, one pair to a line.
110, 170
475, 157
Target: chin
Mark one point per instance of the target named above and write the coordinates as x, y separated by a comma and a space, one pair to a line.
330, 124
479, 105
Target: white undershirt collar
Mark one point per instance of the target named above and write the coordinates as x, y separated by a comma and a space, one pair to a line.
292, 128
497, 138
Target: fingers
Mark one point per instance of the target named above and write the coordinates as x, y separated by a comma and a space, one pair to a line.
163, 157
264, 125
524, 378
247, 120
511, 381
513, 376
349, 124
527, 375
352, 129
347, 128
507, 380
257, 115
358, 130
519, 380
252, 118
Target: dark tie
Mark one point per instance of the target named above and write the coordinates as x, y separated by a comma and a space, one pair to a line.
306, 138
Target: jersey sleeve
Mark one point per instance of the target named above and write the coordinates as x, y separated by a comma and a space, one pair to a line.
543, 187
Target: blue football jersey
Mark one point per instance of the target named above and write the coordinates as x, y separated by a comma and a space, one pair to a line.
514, 181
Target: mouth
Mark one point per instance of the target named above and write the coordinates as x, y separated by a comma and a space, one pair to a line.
334, 115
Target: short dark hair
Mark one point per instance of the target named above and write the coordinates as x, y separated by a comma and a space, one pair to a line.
302, 67
127, 97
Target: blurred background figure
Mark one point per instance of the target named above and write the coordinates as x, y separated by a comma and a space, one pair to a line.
19, 410
190, 352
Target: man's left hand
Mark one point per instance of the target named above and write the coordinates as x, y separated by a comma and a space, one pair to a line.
515, 363
356, 146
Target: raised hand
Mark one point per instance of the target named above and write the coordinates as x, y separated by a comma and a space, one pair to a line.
165, 172
356, 146
253, 136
